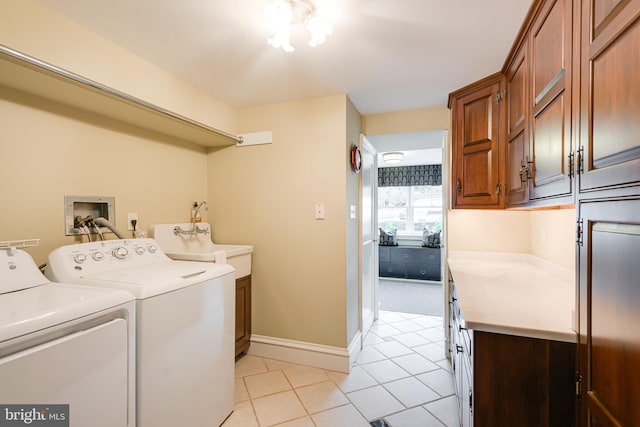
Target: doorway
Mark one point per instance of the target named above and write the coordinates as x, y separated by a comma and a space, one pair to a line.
410, 215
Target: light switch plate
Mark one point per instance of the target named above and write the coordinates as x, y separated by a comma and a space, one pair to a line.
319, 210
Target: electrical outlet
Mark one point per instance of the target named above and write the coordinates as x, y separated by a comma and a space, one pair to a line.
131, 217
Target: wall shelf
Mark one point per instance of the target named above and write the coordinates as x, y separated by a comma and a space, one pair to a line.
30, 75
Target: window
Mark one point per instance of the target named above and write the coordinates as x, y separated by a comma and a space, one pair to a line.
410, 209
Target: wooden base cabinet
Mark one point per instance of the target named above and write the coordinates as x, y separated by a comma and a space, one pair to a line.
507, 380
609, 272
243, 314
523, 381
461, 361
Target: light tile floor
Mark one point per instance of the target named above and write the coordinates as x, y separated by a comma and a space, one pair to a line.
401, 375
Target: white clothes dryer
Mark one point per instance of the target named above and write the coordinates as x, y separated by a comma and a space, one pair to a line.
185, 326
64, 344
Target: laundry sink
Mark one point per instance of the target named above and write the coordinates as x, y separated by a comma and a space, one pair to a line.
198, 246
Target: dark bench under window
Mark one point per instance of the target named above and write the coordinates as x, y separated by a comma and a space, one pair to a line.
410, 262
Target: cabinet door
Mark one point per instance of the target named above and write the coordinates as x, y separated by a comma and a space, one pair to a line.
517, 101
456, 357
524, 382
609, 351
243, 314
477, 149
550, 149
610, 94
466, 393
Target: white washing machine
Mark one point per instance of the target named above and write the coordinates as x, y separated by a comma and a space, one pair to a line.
185, 326
64, 344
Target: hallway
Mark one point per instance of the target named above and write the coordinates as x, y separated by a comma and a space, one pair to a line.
401, 375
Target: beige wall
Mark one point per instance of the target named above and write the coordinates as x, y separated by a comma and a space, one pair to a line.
34, 29
265, 195
548, 234
553, 234
407, 121
489, 230
48, 150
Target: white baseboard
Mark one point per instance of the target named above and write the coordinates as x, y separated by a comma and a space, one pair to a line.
304, 353
354, 348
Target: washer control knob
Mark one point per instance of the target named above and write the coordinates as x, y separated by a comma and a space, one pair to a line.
97, 256
152, 249
139, 250
79, 258
120, 252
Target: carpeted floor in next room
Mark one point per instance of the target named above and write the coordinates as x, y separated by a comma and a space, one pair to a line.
411, 297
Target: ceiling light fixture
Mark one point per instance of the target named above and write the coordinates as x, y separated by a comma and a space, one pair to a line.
392, 157
282, 15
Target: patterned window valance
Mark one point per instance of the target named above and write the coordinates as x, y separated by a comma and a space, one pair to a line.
405, 176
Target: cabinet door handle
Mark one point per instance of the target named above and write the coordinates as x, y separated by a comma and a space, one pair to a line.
459, 348
571, 164
524, 172
458, 186
460, 328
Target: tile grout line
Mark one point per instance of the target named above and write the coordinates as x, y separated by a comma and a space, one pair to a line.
441, 365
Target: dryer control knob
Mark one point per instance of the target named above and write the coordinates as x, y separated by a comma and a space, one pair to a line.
152, 249
139, 250
79, 258
120, 252
98, 256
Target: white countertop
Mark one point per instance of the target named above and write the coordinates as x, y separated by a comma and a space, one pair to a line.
514, 294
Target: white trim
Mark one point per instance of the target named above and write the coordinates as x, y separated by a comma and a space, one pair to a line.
305, 353
354, 348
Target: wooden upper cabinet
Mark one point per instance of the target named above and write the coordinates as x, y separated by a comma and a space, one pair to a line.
477, 163
517, 103
550, 143
610, 94
532, 141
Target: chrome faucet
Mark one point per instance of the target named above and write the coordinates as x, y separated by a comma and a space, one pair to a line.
177, 230
196, 208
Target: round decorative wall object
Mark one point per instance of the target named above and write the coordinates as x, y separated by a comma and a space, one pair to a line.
356, 158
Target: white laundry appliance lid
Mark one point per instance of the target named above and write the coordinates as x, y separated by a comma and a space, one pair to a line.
33, 303
154, 279
18, 271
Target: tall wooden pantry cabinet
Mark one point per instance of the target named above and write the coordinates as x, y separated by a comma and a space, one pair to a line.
608, 237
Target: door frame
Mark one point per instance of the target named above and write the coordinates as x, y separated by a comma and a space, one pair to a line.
364, 324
